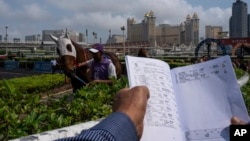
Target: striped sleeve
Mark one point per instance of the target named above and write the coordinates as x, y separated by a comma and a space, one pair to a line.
116, 127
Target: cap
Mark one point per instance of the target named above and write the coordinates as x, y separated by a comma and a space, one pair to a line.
96, 48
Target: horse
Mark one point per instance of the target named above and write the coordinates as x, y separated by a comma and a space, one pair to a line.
71, 54
142, 53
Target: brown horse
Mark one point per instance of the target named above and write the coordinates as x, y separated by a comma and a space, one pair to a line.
71, 54
142, 53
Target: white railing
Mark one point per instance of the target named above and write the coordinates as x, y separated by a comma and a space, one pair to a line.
59, 133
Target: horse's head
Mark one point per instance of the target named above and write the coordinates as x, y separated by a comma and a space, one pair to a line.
142, 52
66, 51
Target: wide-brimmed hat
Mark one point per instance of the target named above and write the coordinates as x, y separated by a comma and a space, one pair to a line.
96, 48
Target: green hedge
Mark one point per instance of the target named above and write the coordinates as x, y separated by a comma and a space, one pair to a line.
23, 111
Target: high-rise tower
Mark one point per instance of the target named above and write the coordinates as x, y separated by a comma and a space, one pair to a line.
239, 20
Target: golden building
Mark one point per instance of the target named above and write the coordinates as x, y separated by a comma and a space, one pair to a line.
163, 34
213, 31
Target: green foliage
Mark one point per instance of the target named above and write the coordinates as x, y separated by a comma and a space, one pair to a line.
36, 83
245, 89
23, 112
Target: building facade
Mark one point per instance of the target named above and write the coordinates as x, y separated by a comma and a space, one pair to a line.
191, 30
115, 39
238, 22
75, 36
213, 31
163, 34
32, 38
144, 31
46, 34
248, 25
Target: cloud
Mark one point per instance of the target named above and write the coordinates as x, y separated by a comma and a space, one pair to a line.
31, 17
35, 12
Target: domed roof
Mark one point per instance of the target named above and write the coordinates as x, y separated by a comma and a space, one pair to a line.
188, 17
151, 13
195, 16
146, 14
133, 20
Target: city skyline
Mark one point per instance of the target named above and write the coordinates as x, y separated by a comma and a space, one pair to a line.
28, 17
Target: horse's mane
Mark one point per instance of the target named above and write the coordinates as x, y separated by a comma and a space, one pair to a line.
80, 49
77, 46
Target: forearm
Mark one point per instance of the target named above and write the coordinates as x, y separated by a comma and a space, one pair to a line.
82, 64
103, 81
120, 126
116, 127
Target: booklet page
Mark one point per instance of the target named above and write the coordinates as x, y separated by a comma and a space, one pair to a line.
208, 96
161, 121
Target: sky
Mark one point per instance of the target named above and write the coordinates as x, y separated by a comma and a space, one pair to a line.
30, 17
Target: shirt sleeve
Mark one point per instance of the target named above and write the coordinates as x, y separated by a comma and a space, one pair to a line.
116, 127
112, 70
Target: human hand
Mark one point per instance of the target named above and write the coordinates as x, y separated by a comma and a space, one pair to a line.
91, 83
94, 82
237, 121
133, 103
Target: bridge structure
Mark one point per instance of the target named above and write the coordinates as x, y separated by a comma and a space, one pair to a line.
229, 46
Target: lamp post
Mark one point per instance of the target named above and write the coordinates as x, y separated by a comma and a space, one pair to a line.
123, 28
110, 39
6, 35
87, 36
6, 38
38, 38
95, 37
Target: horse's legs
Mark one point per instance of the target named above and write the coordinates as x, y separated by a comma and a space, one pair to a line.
76, 84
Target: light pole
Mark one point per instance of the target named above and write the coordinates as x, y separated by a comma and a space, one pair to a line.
123, 28
110, 39
87, 36
6, 38
38, 38
95, 37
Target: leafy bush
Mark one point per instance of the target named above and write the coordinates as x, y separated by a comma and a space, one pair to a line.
24, 112
36, 83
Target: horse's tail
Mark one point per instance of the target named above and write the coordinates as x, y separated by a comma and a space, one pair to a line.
116, 62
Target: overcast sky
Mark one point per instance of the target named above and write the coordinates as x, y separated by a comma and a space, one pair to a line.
30, 17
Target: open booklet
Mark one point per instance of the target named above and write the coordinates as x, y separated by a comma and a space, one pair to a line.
189, 103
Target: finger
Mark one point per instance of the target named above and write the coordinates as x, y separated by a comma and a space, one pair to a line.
120, 92
237, 121
117, 98
141, 91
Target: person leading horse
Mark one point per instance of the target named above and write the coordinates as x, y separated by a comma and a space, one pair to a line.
102, 68
72, 55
